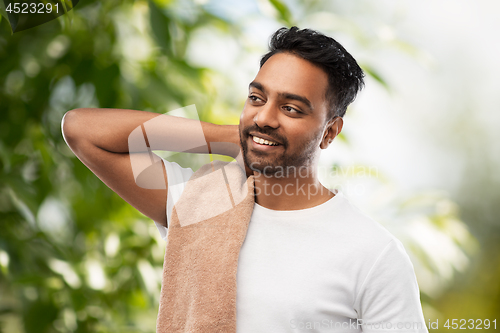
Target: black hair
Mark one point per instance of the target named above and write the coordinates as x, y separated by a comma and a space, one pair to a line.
345, 77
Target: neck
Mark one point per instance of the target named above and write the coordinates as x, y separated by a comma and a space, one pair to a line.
293, 192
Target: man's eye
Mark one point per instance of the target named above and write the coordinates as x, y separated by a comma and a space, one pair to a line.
291, 110
254, 98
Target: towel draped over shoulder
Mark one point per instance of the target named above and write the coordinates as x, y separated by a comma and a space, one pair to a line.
208, 226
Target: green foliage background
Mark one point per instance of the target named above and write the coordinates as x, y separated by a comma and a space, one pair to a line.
60, 227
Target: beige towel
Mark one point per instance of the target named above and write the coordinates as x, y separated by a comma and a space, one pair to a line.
206, 231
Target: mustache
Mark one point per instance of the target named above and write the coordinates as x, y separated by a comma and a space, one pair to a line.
266, 131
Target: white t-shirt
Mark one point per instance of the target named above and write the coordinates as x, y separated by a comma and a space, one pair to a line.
328, 268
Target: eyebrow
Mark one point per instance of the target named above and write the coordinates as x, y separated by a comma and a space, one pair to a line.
284, 95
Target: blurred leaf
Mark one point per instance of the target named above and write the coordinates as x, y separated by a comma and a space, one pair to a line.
284, 13
160, 25
39, 316
375, 75
3, 13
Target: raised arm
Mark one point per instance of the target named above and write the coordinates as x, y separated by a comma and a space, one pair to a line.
116, 146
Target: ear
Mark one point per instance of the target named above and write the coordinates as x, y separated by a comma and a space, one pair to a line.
332, 129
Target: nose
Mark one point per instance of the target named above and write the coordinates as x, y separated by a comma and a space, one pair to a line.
267, 115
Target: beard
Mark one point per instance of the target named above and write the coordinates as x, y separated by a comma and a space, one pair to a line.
277, 164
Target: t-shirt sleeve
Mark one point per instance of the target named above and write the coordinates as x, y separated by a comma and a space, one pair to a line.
177, 177
389, 299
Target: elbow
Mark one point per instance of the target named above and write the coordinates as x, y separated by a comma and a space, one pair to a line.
70, 127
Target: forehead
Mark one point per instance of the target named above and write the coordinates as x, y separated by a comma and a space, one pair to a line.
288, 73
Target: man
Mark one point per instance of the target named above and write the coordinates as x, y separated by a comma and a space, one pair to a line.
310, 261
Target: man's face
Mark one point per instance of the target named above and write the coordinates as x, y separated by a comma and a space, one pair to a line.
286, 106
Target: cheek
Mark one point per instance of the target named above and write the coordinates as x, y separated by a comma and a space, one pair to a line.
307, 136
247, 116
245, 113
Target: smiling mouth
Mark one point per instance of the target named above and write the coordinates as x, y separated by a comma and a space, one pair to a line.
262, 141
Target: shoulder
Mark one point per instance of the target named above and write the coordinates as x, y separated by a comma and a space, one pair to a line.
177, 177
365, 231
176, 174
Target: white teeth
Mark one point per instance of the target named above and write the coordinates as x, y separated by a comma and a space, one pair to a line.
263, 141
